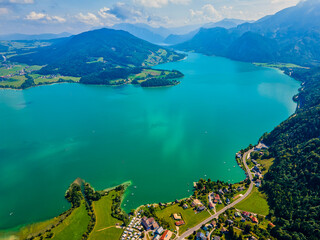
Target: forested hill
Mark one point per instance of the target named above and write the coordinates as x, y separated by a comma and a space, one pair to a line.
95, 51
293, 182
291, 36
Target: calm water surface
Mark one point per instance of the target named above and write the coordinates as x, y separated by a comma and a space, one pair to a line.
161, 139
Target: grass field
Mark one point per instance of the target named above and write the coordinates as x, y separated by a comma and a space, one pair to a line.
73, 226
278, 65
38, 80
105, 223
13, 82
256, 202
190, 218
266, 163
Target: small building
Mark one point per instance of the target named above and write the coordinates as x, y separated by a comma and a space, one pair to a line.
159, 230
179, 223
166, 235
228, 201
157, 237
237, 214
196, 202
211, 206
271, 225
216, 238
200, 236
242, 220
201, 208
254, 219
176, 216
148, 223
185, 206
230, 222
224, 230
213, 224
245, 214
155, 226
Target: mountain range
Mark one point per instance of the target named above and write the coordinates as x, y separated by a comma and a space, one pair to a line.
291, 35
45, 36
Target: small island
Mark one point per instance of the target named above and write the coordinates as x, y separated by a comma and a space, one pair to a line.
22, 76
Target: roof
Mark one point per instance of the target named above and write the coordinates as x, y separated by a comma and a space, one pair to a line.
176, 216
179, 223
166, 235
254, 219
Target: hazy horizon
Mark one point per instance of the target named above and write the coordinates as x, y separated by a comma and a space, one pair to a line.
56, 16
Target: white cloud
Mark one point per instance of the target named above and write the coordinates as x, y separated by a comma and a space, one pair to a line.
105, 13
22, 1
205, 14
89, 19
161, 3
34, 16
4, 11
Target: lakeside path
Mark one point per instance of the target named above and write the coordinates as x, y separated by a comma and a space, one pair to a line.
191, 230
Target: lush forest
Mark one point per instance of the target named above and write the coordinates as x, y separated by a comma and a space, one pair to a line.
293, 182
105, 77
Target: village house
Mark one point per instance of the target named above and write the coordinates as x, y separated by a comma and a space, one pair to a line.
201, 208
196, 202
179, 223
200, 236
149, 223
254, 219
245, 214
166, 235
224, 230
159, 230
176, 216
237, 214
185, 206
213, 224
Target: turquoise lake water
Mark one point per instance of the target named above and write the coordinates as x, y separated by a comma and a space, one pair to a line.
161, 139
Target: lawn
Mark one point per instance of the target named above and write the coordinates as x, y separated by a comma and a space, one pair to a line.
278, 65
38, 80
266, 163
256, 202
73, 226
189, 216
219, 207
102, 209
15, 81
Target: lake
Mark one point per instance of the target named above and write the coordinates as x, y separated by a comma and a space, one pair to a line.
160, 139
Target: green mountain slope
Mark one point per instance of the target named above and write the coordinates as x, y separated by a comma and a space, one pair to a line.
97, 51
293, 181
291, 35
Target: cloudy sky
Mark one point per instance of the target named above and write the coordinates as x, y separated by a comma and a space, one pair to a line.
74, 16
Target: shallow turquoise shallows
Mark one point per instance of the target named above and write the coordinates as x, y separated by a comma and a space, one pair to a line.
160, 139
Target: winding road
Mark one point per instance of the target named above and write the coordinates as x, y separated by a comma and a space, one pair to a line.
191, 230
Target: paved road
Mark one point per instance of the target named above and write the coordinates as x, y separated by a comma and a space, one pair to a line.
191, 230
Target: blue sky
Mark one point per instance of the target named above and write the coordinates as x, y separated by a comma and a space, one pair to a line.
74, 16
